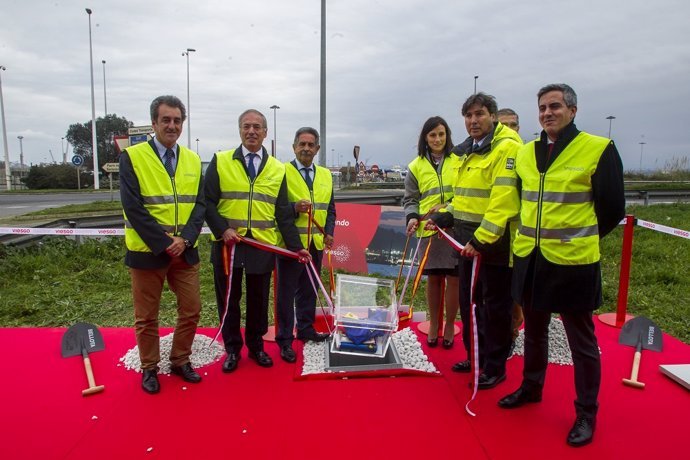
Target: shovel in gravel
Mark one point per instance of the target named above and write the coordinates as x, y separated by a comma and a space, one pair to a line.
642, 334
82, 339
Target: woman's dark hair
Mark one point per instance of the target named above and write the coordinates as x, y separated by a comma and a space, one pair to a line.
431, 124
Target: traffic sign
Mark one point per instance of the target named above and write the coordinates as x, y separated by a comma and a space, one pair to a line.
77, 160
111, 167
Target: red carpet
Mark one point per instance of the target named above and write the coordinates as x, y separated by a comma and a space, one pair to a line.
266, 413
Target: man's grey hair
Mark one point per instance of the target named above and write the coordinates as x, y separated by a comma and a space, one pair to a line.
306, 130
569, 95
170, 101
246, 112
509, 112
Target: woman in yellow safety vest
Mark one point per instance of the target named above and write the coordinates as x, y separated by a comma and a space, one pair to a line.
429, 187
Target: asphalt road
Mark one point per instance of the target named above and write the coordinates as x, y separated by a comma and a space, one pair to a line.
14, 204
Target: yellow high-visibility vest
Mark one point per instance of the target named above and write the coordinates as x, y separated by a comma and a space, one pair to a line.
249, 205
170, 200
557, 213
320, 197
434, 188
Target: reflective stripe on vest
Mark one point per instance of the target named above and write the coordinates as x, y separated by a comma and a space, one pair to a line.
557, 212
319, 196
169, 200
485, 188
249, 206
434, 188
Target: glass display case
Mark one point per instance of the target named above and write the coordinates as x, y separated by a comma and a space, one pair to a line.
365, 316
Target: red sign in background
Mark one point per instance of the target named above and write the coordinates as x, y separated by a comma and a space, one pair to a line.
356, 226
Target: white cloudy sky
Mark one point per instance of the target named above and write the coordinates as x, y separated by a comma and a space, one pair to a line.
391, 64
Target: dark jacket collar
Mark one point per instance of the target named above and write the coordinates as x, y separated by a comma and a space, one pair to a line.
466, 146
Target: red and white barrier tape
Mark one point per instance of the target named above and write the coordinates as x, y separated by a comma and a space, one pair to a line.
70, 231
664, 229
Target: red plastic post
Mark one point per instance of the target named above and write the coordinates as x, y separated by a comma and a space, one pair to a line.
624, 278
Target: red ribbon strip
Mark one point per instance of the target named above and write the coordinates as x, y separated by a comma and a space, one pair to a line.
476, 263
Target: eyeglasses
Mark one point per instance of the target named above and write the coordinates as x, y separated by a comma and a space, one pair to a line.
255, 127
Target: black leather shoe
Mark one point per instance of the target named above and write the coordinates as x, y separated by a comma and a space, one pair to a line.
261, 358
149, 381
432, 342
486, 382
462, 366
582, 432
447, 344
187, 373
230, 363
314, 337
518, 398
288, 354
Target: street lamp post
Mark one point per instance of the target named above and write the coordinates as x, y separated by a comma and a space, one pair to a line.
21, 151
322, 88
189, 110
197, 145
610, 118
475, 83
8, 175
641, 150
94, 142
275, 142
105, 98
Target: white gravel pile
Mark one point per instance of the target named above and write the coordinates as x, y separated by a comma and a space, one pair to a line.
204, 352
559, 350
406, 344
314, 357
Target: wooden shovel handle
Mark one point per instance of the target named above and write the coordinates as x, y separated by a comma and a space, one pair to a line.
92, 382
635, 370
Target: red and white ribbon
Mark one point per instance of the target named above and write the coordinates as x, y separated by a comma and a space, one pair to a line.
476, 263
664, 229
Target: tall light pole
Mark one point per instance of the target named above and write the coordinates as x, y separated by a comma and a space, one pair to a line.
275, 141
641, 150
94, 141
197, 145
475, 83
189, 110
21, 151
105, 98
610, 118
8, 175
322, 91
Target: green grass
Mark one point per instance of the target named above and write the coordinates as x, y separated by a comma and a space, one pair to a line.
59, 282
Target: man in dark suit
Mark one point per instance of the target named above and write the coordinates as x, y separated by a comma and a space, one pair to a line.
246, 196
572, 195
310, 193
163, 202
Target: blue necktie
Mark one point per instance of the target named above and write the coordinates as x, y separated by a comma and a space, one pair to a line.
307, 178
169, 155
250, 166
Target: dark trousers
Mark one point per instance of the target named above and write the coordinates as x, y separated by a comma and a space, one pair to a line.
497, 316
258, 287
465, 274
584, 348
296, 296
